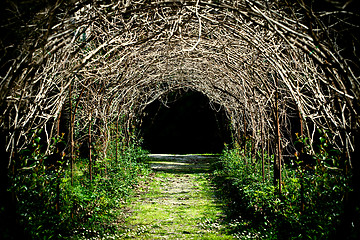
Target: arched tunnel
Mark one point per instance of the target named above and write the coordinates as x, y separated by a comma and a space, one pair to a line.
185, 124
81, 81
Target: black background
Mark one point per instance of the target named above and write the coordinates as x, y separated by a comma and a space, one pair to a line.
187, 124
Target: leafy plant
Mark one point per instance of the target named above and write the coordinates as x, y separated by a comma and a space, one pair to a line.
311, 203
51, 207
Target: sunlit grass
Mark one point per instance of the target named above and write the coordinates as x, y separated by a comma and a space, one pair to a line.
178, 205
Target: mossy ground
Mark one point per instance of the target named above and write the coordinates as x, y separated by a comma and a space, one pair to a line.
178, 202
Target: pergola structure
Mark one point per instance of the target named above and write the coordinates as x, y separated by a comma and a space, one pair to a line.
273, 66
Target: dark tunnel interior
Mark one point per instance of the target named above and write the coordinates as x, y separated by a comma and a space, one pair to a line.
187, 124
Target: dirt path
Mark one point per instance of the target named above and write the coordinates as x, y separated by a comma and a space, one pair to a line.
178, 202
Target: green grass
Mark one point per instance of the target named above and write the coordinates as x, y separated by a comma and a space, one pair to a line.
179, 203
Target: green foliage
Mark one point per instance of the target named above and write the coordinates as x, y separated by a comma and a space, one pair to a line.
51, 207
310, 206
35, 184
96, 203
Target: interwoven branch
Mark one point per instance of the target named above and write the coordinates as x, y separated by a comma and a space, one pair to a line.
121, 56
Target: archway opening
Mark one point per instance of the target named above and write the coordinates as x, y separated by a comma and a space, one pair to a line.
185, 122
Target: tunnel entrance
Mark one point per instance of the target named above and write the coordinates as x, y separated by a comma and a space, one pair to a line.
185, 124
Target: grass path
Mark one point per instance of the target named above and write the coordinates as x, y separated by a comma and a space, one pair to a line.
177, 203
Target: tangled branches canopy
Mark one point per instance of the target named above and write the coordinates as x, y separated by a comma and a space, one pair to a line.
110, 59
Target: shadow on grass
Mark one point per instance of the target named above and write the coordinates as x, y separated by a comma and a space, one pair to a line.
239, 216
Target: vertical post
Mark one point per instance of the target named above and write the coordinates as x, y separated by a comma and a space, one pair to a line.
238, 136
57, 198
90, 147
72, 117
252, 150
116, 139
302, 190
245, 137
262, 146
277, 162
268, 152
126, 136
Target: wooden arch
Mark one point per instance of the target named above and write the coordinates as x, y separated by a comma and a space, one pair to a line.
261, 61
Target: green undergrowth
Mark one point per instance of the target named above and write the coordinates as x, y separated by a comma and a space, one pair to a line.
310, 206
99, 203
55, 204
183, 197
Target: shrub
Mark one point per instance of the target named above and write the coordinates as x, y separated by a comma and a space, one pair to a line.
309, 207
49, 206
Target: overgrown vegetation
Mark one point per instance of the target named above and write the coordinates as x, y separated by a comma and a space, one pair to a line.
311, 205
55, 203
